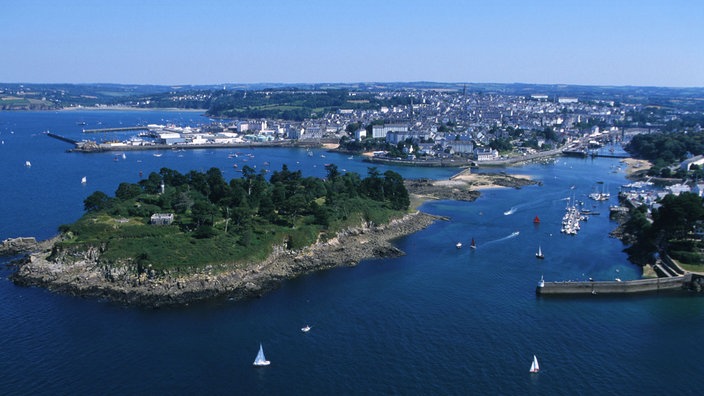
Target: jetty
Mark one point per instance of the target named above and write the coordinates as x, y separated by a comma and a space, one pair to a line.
62, 138
119, 129
688, 281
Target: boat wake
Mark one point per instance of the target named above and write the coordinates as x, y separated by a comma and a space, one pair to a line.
510, 211
512, 235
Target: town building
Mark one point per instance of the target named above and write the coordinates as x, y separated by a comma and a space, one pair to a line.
380, 131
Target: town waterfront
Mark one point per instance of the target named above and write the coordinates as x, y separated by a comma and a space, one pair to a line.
439, 320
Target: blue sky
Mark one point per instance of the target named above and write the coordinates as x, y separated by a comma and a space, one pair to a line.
617, 42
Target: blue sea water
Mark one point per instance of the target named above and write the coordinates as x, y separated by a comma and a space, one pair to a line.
438, 320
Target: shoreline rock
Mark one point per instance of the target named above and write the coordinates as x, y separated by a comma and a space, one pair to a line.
85, 277
14, 246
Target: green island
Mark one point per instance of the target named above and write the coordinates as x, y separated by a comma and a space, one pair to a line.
175, 238
208, 221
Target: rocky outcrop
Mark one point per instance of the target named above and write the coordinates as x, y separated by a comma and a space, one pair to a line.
82, 274
13, 246
428, 188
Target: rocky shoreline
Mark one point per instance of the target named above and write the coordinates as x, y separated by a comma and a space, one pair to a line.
86, 277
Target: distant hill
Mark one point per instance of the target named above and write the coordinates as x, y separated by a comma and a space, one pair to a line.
51, 96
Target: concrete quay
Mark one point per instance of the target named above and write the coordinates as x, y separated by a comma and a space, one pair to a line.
688, 281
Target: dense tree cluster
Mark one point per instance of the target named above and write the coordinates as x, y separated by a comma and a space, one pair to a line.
666, 148
205, 197
223, 220
674, 221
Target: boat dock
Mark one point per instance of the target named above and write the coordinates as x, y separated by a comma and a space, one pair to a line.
119, 129
688, 281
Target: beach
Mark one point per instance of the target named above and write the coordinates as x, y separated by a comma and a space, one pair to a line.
636, 165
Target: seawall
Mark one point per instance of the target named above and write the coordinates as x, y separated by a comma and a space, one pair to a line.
685, 282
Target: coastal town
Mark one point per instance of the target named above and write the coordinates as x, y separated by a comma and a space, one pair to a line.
435, 128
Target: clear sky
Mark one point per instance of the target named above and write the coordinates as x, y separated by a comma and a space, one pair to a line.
589, 42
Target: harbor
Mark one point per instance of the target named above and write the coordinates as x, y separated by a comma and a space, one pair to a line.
434, 289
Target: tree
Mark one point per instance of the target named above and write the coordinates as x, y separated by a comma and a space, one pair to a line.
126, 191
183, 202
333, 173
395, 191
353, 126
96, 202
152, 184
217, 185
172, 178
677, 215
372, 185
320, 214
501, 145
267, 209
204, 212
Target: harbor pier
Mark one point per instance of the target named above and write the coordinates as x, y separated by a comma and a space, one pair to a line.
688, 281
62, 138
119, 129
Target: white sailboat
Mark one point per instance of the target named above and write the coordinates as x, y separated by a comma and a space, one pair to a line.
458, 245
84, 180
539, 254
260, 360
28, 164
305, 329
534, 366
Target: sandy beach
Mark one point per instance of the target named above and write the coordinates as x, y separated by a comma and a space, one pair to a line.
482, 181
634, 165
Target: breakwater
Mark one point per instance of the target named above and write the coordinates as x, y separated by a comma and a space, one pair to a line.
62, 138
688, 281
93, 147
118, 129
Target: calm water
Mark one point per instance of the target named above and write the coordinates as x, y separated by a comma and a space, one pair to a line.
436, 321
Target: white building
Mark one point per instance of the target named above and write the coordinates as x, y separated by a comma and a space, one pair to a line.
461, 147
539, 96
360, 134
380, 131
687, 164
486, 154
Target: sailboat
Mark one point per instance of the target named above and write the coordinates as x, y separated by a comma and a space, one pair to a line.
260, 360
536, 220
539, 254
534, 366
84, 180
473, 245
458, 245
28, 164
